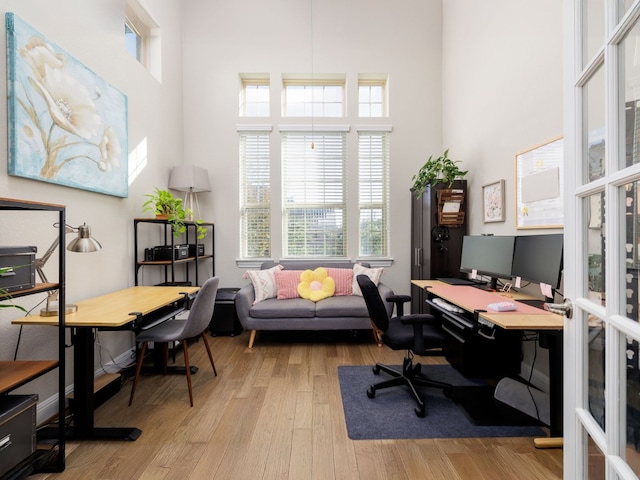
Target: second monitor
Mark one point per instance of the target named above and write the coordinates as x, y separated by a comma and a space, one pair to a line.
488, 255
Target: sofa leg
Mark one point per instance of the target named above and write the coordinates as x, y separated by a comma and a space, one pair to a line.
252, 338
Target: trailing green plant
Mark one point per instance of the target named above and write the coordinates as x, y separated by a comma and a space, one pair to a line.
435, 170
4, 295
164, 203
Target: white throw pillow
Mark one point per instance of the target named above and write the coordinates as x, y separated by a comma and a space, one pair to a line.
373, 273
264, 282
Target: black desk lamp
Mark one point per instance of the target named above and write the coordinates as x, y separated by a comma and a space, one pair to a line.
83, 243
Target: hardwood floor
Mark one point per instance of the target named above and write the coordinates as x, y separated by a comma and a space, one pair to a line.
275, 412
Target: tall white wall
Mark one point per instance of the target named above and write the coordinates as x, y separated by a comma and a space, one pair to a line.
93, 33
502, 91
224, 39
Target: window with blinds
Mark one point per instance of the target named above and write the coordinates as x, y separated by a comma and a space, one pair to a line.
314, 193
373, 180
255, 194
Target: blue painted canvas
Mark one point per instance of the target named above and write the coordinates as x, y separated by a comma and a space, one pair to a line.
66, 124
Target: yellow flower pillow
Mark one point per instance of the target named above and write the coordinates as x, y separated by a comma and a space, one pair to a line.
316, 284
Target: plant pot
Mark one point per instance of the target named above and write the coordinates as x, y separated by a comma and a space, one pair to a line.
163, 216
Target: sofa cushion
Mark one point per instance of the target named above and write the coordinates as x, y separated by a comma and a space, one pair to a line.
345, 306
287, 283
290, 308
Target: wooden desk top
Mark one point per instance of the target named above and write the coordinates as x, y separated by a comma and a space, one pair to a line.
529, 319
114, 309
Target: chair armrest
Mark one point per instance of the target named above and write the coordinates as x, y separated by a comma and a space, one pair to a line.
399, 301
417, 319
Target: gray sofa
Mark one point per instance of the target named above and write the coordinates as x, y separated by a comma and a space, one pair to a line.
333, 313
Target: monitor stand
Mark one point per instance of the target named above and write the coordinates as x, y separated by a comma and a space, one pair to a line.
537, 302
492, 286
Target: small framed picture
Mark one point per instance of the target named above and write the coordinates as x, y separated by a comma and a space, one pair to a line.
493, 202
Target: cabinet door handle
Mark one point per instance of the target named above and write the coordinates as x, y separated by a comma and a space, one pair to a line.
417, 257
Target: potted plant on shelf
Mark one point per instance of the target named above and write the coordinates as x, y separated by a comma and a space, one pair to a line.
168, 207
435, 170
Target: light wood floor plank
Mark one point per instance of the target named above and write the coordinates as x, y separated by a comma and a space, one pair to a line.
274, 412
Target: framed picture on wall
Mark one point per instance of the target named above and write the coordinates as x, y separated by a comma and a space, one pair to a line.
67, 125
493, 202
539, 180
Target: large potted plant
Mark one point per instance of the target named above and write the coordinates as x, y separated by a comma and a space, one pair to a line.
168, 207
436, 170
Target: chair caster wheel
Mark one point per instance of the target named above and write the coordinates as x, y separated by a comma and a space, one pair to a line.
376, 370
417, 368
371, 392
420, 412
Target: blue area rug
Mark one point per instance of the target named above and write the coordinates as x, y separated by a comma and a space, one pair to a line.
390, 415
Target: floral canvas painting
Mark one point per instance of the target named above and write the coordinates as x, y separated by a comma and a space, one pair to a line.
66, 124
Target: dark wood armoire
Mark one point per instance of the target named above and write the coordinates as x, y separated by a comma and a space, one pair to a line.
436, 235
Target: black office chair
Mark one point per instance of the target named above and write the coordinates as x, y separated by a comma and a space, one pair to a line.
417, 333
177, 330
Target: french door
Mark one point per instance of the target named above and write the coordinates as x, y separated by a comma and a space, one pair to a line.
602, 239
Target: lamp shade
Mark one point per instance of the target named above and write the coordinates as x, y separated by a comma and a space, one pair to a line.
189, 178
84, 242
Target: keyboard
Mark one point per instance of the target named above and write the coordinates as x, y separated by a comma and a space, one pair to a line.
447, 306
456, 281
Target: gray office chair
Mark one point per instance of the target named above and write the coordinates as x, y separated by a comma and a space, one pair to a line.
416, 333
176, 330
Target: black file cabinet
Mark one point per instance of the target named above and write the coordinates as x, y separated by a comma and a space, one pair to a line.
225, 319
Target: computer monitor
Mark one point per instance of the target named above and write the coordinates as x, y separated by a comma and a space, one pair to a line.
489, 255
538, 259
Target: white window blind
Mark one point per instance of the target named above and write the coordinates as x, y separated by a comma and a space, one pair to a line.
314, 198
373, 174
255, 194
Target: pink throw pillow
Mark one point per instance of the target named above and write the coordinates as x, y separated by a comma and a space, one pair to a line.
343, 277
287, 283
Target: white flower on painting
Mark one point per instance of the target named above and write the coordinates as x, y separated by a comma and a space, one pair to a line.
71, 109
110, 150
69, 103
38, 53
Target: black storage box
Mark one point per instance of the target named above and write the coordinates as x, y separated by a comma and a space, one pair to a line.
225, 319
17, 429
22, 273
163, 252
193, 248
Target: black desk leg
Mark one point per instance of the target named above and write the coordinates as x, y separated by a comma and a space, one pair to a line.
556, 365
83, 364
552, 340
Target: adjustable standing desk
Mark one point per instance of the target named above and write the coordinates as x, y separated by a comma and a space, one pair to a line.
118, 310
474, 301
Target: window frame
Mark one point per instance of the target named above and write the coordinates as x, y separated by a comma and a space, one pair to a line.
382, 183
260, 208
256, 80
306, 140
314, 109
